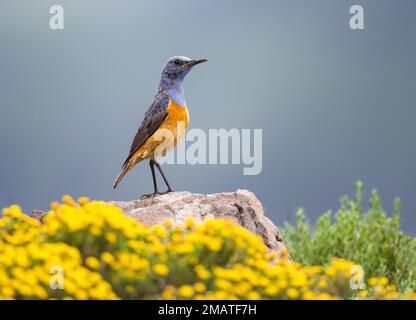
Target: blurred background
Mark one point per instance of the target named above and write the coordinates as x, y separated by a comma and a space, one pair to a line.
335, 105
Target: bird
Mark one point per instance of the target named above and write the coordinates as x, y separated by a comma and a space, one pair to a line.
164, 122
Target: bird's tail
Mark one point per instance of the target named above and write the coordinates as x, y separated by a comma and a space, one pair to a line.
120, 176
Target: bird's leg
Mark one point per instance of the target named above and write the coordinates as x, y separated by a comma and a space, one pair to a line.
151, 195
152, 168
164, 178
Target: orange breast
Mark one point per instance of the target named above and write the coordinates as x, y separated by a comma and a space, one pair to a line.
167, 136
178, 116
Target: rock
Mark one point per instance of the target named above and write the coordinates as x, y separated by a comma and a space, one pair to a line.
240, 206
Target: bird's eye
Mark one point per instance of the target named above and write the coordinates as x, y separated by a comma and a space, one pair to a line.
177, 62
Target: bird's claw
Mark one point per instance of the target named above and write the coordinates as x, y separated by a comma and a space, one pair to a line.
154, 194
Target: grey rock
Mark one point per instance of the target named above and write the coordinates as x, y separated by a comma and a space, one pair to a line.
240, 206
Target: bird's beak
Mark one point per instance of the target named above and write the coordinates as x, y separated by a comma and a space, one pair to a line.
193, 63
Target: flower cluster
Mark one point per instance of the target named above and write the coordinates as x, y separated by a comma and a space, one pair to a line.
381, 289
102, 254
31, 268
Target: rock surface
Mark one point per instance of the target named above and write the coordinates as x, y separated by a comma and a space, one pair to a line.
241, 206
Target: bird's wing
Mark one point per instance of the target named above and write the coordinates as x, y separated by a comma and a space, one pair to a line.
153, 118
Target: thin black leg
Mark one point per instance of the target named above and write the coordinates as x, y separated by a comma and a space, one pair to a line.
163, 176
152, 168
151, 195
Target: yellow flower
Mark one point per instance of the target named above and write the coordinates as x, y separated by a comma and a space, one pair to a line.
299, 280
202, 272
271, 290
95, 231
83, 201
81, 295
223, 284
186, 291
283, 252
111, 237
322, 283
324, 296
161, 269
384, 281
189, 223
54, 205
68, 200
199, 287
252, 295
331, 271
167, 294
242, 288
282, 284
309, 295
92, 262
292, 293
160, 231
373, 281
7, 291
107, 257
176, 237
214, 244
79, 237
167, 223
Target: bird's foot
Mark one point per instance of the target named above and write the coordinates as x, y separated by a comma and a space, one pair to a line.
154, 194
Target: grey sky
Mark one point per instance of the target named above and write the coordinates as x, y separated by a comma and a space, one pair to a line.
335, 105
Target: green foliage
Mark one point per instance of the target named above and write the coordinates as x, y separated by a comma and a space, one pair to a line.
371, 238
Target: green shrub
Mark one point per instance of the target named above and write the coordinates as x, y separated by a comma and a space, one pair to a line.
371, 238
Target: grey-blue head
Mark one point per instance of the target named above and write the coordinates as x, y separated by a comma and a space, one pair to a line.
175, 70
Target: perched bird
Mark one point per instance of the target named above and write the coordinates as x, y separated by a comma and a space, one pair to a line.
164, 122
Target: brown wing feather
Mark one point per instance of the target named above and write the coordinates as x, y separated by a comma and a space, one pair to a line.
153, 118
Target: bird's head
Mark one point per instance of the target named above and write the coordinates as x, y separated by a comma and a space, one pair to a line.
178, 67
